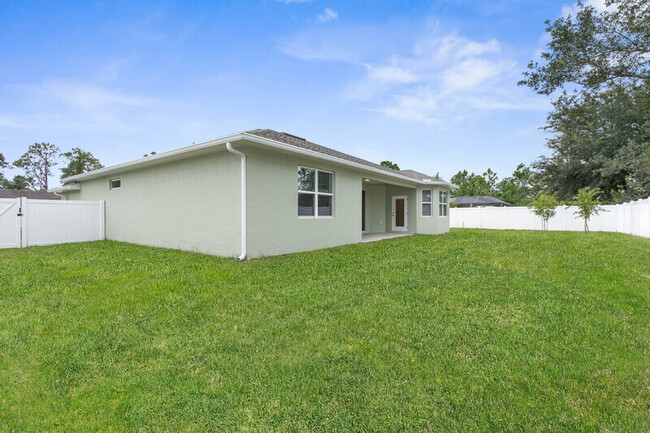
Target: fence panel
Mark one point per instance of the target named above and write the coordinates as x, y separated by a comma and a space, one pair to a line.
632, 218
48, 222
9, 223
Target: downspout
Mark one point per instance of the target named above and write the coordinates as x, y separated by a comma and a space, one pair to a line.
243, 198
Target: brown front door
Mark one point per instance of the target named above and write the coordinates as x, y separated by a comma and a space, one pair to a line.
399, 212
400, 215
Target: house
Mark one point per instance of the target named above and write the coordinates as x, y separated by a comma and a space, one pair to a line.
25, 193
478, 201
260, 193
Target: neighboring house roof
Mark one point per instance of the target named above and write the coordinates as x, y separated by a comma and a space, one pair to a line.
273, 139
33, 195
478, 200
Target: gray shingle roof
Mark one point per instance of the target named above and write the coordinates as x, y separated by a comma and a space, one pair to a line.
479, 200
416, 174
34, 195
285, 138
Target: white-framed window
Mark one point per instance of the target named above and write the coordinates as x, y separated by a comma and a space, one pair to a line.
442, 204
426, 202
115, 184
315, 193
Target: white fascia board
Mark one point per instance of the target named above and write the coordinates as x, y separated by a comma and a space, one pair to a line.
256, 139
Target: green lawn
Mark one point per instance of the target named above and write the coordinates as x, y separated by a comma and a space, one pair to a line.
470, 331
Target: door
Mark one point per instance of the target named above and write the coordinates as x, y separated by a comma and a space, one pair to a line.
400, 213
363, 211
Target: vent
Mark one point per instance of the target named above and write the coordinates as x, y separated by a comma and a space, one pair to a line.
294, 136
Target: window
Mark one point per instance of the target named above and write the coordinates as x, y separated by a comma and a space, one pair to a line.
426, 202
442, 206
315, 192
115, 184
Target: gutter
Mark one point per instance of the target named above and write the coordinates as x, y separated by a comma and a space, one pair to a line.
242, 157
65, 188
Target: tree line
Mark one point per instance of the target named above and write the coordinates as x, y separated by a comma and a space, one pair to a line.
38, 162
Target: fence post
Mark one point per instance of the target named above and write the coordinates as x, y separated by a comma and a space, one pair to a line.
22, 226
102, 219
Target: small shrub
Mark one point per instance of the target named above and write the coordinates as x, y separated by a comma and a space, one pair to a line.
544, 207
587, 204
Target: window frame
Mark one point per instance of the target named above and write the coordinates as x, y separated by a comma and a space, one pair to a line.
430, 203
315, 193
443, 204
110, 183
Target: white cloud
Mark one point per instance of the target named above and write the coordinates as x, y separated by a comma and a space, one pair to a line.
87, 96
77, 107
294, 1
436, 78
332, 44
328, 15
599, 5
419, 106
454, 47
390, 74
473, 73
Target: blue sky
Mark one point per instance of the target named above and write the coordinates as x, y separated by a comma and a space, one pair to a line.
429, 85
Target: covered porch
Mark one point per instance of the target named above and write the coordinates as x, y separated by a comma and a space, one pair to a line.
387, 210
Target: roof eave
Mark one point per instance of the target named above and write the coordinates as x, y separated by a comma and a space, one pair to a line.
367, 168
152, 158
257, 139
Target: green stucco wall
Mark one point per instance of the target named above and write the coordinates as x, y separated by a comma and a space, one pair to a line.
435, 224
191, 204
376, 208
273, 223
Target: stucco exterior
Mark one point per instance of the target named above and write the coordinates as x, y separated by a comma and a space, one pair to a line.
434, 224
190, 204
273, 222
190, 200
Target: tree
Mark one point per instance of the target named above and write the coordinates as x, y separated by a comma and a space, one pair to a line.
544, 207
79, 162
491, 180
587, 204
389, 164
38, 162
518, 189
3, 165
601, 141
470, 184
601, 121
595, 49
18, 182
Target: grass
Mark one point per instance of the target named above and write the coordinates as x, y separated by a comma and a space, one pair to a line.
470, 331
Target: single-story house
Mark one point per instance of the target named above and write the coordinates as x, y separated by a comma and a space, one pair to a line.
478, 201
29, 194
260, 193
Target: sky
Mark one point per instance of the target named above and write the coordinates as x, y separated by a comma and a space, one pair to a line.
429, 85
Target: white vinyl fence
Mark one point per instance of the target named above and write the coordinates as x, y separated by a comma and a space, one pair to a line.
631, 218
26, 222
